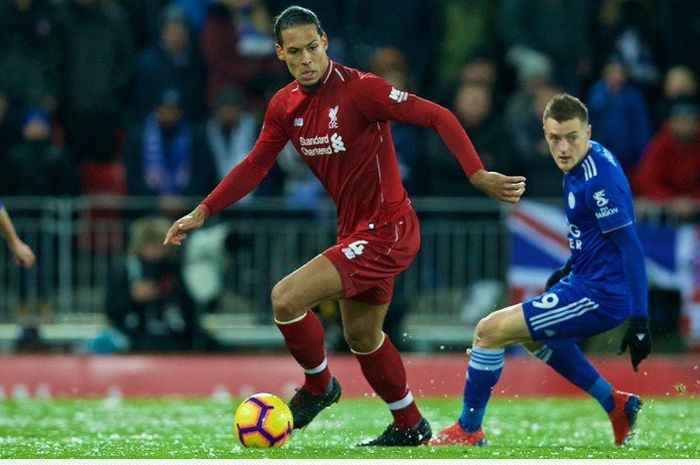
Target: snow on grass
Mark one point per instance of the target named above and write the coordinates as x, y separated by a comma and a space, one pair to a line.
201, 428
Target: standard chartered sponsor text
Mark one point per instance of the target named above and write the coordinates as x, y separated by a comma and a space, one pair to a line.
319, 145
303, 141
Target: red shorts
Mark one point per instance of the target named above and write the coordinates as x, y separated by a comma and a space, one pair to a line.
368, 261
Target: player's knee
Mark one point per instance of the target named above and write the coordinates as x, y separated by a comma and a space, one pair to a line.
282, 304
487, 333
360, 340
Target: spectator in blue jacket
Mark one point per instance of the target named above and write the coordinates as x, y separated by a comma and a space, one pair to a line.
620, 114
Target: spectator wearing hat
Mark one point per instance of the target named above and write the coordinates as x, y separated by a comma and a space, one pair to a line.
35, 166
173, 63
619, 114
164, 155
669, 170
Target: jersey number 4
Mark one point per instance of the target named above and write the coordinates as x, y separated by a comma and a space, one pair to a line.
354, 249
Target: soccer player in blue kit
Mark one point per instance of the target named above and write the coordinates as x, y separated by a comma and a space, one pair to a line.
603, 283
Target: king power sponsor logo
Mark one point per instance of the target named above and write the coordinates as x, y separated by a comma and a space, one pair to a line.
322, 145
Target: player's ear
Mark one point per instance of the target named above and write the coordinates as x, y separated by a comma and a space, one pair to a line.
588, 131
324, 41
279, 51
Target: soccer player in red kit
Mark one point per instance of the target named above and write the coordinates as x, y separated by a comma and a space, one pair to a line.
337, 118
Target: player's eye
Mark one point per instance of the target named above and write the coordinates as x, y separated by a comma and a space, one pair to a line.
313, 47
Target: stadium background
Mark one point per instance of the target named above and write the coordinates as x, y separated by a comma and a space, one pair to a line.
82, 81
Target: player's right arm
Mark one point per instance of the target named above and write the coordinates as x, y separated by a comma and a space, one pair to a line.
558, 274
22, 253
242, 179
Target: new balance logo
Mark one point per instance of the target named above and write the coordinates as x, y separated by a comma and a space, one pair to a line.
337, 143
298, 122
549, 332
398, 95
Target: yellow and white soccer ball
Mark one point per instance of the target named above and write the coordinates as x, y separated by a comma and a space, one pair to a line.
263, 420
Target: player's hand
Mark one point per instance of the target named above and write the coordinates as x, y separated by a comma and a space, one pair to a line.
193, 220
638, 339
499, 186
22, 254
556, 276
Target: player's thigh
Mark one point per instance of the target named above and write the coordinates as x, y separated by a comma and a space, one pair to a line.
502, 328
368, 261
362, 324
570, 311
313, 282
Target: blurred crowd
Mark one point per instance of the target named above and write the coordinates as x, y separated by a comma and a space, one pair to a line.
162, 97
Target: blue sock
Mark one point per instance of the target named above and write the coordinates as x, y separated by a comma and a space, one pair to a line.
484, 370
570, 362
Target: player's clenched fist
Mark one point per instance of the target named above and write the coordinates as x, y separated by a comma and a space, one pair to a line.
498, 186
193, 220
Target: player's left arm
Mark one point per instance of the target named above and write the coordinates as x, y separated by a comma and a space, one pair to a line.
637, 337
377, 100
22, 253
611, 201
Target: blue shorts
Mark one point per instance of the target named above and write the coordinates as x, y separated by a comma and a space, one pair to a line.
570, 312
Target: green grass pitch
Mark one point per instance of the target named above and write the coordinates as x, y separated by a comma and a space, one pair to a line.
202, 428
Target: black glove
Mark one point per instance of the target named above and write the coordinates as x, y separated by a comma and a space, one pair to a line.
638, 338
557, 275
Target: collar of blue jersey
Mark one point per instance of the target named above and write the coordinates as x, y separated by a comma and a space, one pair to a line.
322, 85
579, 166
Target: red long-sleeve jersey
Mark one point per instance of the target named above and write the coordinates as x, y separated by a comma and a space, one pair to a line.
341, 131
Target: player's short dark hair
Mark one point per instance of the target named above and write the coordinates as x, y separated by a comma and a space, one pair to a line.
295, 16
564, 107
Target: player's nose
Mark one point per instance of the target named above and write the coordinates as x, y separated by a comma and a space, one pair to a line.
306, 57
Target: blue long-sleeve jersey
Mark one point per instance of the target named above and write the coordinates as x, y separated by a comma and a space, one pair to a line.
598, 206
